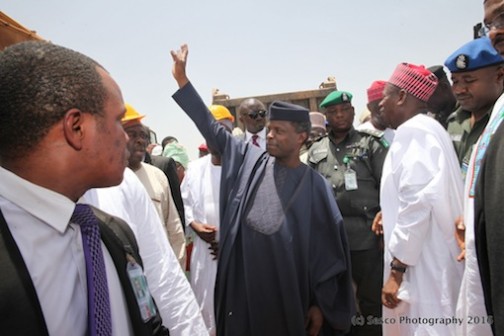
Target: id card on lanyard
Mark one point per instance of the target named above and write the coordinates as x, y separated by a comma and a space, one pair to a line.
140, 288
350, 176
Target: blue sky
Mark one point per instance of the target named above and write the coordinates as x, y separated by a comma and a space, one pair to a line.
248, 47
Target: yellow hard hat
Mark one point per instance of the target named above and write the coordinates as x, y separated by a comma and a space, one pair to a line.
221, 112
131, 114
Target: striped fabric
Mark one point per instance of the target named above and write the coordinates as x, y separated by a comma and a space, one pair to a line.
414, 79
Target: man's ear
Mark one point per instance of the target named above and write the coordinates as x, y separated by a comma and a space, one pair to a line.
303, 137
73, 128
500, 74
402, 97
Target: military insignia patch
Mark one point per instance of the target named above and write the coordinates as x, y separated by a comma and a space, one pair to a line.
462, 62
344, 97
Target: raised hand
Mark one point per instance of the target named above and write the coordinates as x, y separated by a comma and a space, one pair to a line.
179, 65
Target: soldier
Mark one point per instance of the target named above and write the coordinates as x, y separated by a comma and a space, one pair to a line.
352, 162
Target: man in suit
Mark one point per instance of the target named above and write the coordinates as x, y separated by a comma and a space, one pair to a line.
489, 187
252, 113
61, 135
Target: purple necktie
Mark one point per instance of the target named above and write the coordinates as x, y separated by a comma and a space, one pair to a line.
99, 320
254, 140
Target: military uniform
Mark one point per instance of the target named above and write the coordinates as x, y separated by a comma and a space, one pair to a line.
364, 153
463, 136
353, 167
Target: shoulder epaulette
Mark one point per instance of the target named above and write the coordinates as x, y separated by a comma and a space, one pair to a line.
320, 138
375, 133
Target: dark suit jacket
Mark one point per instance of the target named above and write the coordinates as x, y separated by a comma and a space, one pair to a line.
20, 311
169, 168
489, 228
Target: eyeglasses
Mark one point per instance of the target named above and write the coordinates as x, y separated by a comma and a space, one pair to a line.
497, 23
255, 114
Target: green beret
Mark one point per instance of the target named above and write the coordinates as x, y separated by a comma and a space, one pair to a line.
336, 97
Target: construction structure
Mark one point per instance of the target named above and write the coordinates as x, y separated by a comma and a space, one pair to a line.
310, 99
12, 32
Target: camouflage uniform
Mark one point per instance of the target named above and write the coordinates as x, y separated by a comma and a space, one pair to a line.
463, 136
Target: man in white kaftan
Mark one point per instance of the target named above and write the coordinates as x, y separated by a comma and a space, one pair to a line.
421, 196
167, 282
421, 193
154, 180
200, 193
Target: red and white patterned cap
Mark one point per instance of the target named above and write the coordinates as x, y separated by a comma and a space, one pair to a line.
375, 91
414, 79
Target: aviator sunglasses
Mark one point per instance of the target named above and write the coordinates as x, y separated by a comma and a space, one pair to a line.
255, 114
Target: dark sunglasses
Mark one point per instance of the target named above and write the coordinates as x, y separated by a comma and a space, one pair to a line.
255, 114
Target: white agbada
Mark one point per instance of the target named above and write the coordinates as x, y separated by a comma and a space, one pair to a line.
200, 193
421, 196
167, 282
471, 302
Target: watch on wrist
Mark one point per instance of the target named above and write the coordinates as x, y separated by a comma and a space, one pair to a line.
397, 268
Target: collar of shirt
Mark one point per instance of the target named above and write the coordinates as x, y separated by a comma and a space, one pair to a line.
261, 136
347, 137
47, 205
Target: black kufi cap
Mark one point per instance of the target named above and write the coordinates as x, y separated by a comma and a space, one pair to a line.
280, 110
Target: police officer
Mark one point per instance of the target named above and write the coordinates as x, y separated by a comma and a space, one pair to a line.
352, 162
477, 74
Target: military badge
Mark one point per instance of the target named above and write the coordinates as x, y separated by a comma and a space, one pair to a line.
462, 62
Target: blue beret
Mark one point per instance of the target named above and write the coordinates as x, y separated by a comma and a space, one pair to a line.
336, 97
474, 55
280, 110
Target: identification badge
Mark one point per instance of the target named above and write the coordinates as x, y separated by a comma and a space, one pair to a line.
350, 180
141, 290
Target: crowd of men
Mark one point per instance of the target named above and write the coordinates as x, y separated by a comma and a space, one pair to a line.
300, 223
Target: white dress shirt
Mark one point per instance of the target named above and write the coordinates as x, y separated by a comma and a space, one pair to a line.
51, 247
166, 280
261, 138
